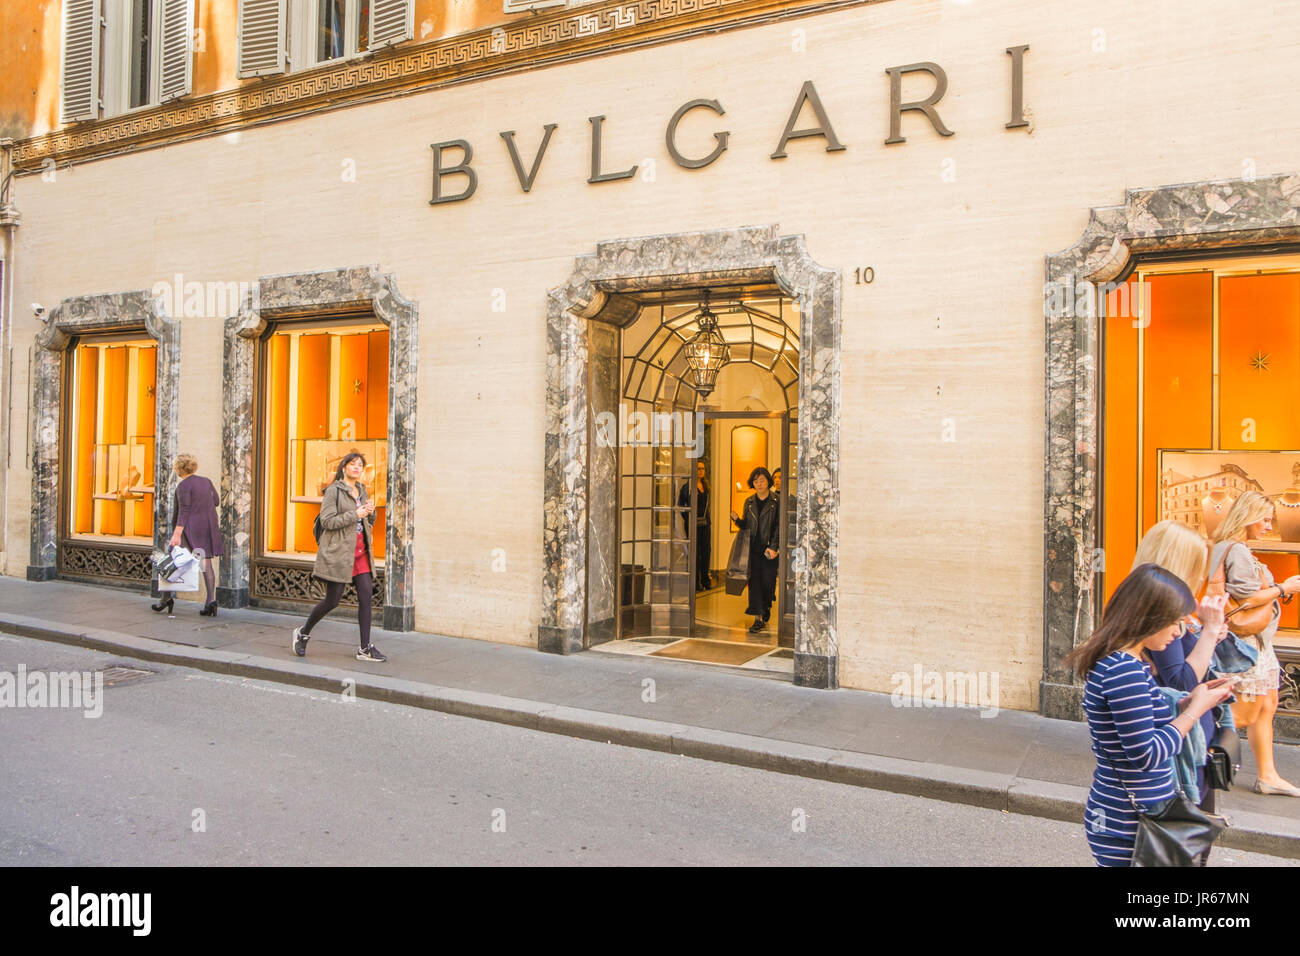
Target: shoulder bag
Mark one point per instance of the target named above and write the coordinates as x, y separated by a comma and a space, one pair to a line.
1173, 833
1224, 758
1246, 617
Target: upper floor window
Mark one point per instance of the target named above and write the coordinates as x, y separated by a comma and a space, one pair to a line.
124, 54
296, 34
342, 28
143, 50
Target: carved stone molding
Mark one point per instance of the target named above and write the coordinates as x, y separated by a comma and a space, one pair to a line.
580, 317
86, 315
523, 44
321, 293
1208, 216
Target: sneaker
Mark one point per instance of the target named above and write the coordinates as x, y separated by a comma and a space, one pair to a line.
756, 626
370, 653
300, 642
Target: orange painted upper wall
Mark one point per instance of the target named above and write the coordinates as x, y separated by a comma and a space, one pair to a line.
31, 43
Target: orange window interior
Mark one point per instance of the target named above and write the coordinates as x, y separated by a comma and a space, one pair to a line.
111, 441
748, 451
1165, 350
326, 394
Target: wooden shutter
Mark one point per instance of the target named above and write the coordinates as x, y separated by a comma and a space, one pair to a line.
261, 37
177, 50
81, 32
391, 21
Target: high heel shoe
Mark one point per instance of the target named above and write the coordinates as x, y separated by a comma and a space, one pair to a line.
209, 609
166, 604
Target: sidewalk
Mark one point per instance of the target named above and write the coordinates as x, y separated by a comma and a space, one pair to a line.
1018, 762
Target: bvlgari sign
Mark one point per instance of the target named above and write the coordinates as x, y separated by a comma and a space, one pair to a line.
454, 158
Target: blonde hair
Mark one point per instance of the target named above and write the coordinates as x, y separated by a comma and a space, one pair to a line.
186, 465
1246, 510
1178, 549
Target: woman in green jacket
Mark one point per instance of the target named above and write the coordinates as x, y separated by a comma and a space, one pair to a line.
344, 554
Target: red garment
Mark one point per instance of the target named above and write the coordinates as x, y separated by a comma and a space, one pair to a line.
360, 564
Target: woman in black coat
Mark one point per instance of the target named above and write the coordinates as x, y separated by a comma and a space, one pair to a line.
703, 525
762, 520
195, 524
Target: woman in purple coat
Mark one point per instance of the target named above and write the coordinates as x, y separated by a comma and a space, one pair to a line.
194, 511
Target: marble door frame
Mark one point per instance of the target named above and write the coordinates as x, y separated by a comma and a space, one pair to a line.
298, 295
94, 315
582, 377
1214, 217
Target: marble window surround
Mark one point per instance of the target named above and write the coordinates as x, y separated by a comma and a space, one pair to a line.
1215, 217
325, 293
582, 360
92, 315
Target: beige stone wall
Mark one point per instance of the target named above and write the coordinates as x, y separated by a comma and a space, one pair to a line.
940, 554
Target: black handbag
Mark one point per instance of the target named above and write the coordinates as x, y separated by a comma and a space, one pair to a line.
1173, 833
1224, 758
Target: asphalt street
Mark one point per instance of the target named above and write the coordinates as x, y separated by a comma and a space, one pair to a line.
189, 768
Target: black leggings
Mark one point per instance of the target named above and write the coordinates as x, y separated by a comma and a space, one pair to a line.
334, 594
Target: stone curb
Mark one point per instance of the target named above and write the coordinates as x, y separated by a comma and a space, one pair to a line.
1254, 832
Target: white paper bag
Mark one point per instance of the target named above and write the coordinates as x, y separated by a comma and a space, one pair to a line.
186, 575
187, 580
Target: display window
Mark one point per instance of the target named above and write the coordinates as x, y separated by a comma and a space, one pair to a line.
1200, 385
325, 395
111, 408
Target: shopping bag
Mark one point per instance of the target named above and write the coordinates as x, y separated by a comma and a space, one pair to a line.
738, 564
178, 570
186, 580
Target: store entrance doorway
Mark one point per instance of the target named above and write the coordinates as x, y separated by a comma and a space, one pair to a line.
738, 443
684, 469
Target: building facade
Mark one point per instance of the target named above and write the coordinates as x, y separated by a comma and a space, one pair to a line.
984, 271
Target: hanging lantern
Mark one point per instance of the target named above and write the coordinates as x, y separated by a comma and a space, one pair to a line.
707, 352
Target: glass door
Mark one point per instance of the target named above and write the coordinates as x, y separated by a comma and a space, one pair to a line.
657, 530
672, 536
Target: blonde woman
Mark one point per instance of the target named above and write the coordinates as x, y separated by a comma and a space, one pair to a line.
1185, 661
1245, 577
195, 525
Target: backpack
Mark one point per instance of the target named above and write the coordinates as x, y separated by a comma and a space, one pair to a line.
316, 527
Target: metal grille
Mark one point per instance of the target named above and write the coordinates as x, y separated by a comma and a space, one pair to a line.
1288, 699
115, 676
288, 583
108, 563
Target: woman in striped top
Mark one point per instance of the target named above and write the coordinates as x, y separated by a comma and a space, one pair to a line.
1135, 733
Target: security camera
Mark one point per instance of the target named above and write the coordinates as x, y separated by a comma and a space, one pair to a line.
38, 308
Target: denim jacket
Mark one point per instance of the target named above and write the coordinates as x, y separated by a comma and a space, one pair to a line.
1193, 753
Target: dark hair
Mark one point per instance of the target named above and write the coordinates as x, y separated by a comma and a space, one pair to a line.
347, 459
760, 470
1149, 599
707, 487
